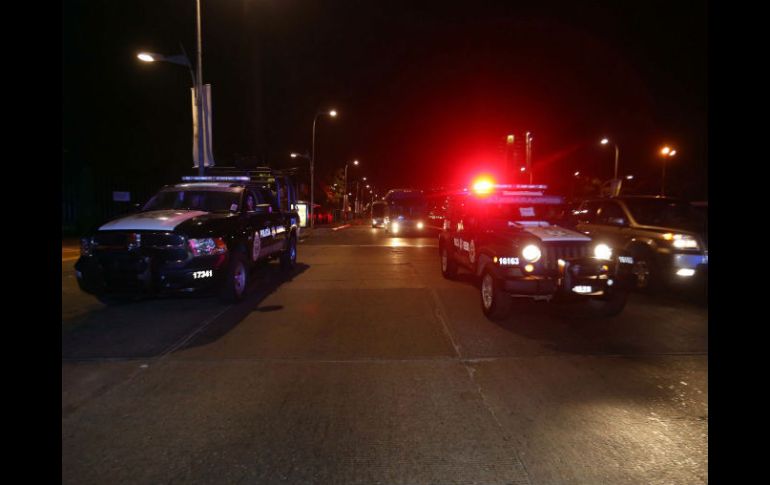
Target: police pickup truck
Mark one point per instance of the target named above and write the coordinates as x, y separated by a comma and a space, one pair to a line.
205, 233
507, 235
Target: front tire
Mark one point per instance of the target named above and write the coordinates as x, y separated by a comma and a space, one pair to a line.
495, 302
289, 256
448, 265
236, 278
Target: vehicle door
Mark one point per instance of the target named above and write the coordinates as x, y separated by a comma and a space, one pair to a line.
611, 223
254, 224
452, 226
467, 233
274, 228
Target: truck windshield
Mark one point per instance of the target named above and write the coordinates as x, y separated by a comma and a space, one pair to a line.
508, 215
202, 200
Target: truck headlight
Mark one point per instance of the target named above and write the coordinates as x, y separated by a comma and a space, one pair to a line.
681, 241
420, 225
394, 227
602, 251
207, 246
531, 253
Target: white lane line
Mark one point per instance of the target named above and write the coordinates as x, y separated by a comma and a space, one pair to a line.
340, 227
398, 245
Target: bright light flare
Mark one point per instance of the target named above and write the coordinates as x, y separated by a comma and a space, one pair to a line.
665, 151
333, 113
145, 57
604, 141
531, 253
483, 186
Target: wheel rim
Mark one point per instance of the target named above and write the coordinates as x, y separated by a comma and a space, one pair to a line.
486, 290
239, 279
642, 272
444, 261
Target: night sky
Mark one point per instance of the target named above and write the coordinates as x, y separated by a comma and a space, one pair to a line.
426, 91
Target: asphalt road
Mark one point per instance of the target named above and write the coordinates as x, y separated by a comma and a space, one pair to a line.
365, 366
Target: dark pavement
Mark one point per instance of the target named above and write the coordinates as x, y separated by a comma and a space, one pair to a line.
366, 366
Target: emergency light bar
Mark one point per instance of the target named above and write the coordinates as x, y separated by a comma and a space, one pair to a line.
215, 178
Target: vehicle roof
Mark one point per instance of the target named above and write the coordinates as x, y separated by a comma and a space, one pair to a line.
230, 186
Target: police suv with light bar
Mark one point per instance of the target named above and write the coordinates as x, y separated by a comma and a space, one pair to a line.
207, 232
508, 236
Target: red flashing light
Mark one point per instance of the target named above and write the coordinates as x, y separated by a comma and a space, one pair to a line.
483, 186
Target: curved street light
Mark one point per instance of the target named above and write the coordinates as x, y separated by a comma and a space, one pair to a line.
606, 141
333, 114
667, 152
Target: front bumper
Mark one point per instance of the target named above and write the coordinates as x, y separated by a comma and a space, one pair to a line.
407, 227
683, 267
143, 273
581, 277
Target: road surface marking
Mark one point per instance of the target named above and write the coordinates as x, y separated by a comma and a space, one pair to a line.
340, 227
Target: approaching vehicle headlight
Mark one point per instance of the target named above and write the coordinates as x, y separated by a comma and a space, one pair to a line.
420, 225
207, 246
394, 227
531, 253
602, 251
86, 246
681, 241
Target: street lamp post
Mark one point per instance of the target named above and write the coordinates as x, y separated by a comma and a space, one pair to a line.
617, 155
667, 152
197, 81
183, 60
345, 196
333, 114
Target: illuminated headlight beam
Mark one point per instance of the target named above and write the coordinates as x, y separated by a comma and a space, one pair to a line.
685, 272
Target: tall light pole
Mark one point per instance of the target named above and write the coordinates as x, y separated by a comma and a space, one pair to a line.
345, 196
606, 141
183, 60
197, 82
667, 152
306, 157
333, 114
528, 140
202, 131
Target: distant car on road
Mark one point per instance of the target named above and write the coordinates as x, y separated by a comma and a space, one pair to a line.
509, 237
666, 238
205, 233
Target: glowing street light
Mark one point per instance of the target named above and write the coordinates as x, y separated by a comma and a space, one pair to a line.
606, 141
577, 174
667, 152
345, 197
333, 114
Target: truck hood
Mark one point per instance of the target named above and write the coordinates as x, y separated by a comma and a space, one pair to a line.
160, 220
553, 233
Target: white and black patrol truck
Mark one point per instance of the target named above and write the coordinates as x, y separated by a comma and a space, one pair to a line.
509, 236
206, 233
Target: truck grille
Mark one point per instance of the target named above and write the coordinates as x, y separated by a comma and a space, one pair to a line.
119, 240
552, 252
165, 246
